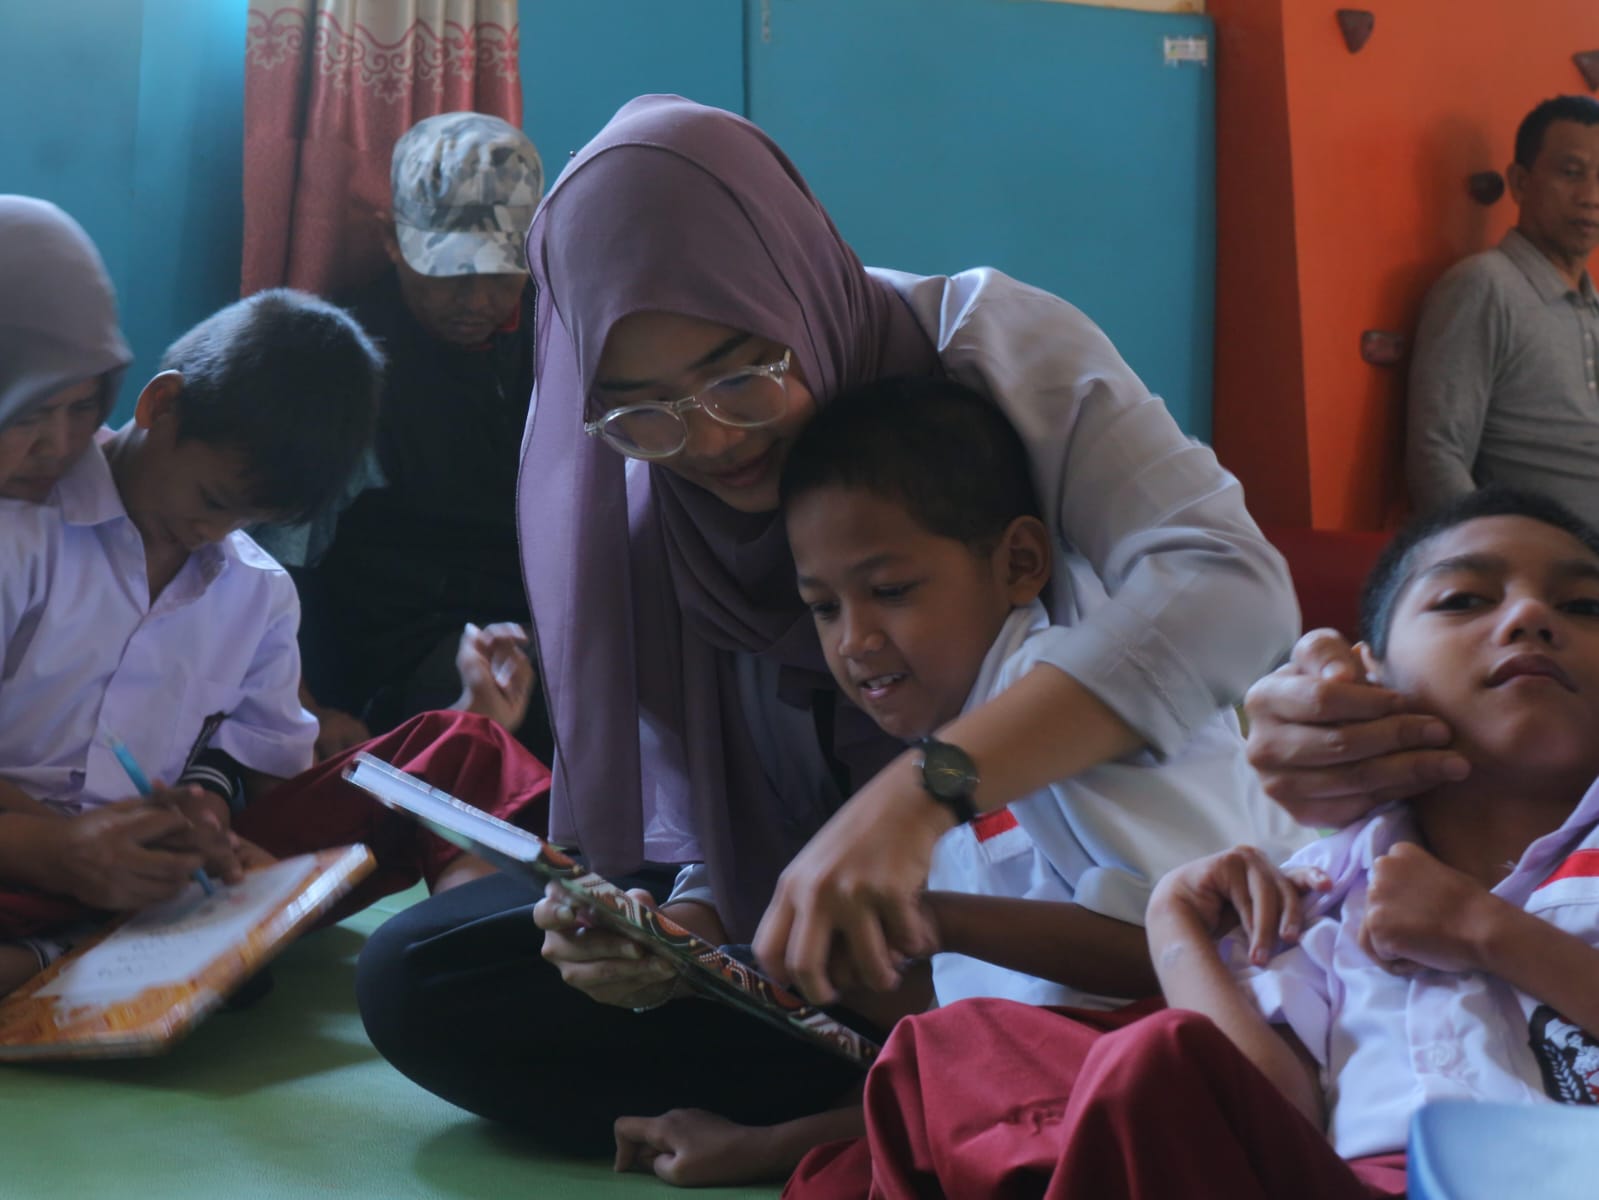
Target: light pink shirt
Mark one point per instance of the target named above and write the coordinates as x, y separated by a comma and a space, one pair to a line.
85, 656
1388, 1044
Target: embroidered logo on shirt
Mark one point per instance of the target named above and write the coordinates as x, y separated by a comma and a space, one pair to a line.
989, 825
1567, 1057
1580, 864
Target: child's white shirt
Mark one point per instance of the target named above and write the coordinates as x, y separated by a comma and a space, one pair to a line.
1388, 1044
1101, 839
85, 656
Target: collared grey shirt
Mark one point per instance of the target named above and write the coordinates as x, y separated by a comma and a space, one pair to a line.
1503, 383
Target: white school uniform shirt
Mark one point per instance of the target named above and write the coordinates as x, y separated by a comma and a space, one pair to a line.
85, 656
1389, 1044
1103, 838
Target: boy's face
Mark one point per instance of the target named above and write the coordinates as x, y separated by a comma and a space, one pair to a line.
1498, 633
39, 447
905, 617
184, 494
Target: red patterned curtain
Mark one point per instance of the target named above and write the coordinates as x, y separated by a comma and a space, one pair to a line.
329, 86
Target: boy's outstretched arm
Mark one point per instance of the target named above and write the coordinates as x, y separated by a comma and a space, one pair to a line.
1421, 911
1191, 908
1053, 940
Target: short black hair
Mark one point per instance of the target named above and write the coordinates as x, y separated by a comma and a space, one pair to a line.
290, 383
932, 444
1395, 566
1529, 137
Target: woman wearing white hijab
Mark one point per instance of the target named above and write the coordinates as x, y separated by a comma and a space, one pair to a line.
61, 352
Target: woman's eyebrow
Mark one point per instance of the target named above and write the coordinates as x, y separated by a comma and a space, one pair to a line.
720, 351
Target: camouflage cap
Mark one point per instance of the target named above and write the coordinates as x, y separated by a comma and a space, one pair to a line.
465, 185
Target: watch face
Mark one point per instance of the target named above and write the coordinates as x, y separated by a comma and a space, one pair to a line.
948, 771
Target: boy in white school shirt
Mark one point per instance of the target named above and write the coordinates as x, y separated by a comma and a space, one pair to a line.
132, 606
1445, 947
922, 554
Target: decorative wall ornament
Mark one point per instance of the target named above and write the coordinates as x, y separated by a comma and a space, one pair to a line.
1382, 347
1588, 63
1485, 187
1356, 25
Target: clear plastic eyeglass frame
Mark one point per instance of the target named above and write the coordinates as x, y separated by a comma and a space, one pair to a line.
612, 426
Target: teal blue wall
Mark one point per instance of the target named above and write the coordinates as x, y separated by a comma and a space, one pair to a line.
1045, 139
1048, 140
584, 59
129, 114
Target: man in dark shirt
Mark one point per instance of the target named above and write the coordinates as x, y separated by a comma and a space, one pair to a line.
427, 547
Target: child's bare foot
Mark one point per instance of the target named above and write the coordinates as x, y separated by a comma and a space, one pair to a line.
18, 964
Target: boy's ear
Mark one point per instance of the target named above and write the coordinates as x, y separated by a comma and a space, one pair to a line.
1024, 557
1369, 662
159, 399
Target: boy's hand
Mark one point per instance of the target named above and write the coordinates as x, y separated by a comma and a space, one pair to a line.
337, 731
209, 832
250, 855
605, 966
690, 1147
114, 857
1330, 745
496, 674
1421, 913
1238, 888
853, 895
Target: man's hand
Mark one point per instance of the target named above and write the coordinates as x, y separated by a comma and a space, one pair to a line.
855, 891
605, 966
1421, 913
1236, 888
496, 674
114, 857
1330, 745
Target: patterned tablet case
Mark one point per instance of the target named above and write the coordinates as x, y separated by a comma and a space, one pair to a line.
707, 969
93, 1003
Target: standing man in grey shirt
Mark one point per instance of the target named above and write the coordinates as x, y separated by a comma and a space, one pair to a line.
1504, 383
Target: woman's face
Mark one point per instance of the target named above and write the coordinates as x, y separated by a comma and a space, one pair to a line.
662, 357
40, 445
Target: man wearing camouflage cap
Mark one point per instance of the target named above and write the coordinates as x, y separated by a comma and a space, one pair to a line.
430, 544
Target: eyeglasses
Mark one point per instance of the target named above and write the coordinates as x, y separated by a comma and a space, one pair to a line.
746, 399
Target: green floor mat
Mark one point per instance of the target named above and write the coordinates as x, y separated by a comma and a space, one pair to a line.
286, 1099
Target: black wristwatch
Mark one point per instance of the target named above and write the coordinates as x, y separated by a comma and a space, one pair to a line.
950, 776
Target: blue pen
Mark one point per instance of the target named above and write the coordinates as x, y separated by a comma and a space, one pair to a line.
141, 784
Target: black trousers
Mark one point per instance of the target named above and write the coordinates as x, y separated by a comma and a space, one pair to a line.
455, 994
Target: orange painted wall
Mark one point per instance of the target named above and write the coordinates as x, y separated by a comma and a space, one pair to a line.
1379, 145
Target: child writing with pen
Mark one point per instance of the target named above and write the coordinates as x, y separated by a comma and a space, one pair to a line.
133, 607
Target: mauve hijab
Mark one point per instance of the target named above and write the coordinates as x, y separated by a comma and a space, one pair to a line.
643, 587
58, 314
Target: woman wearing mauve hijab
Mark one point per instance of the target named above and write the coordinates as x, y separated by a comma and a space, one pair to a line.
681, 255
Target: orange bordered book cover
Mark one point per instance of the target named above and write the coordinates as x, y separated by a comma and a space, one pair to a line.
147, 980
709, 969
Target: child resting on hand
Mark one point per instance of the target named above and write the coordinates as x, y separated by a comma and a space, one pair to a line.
1445, 947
